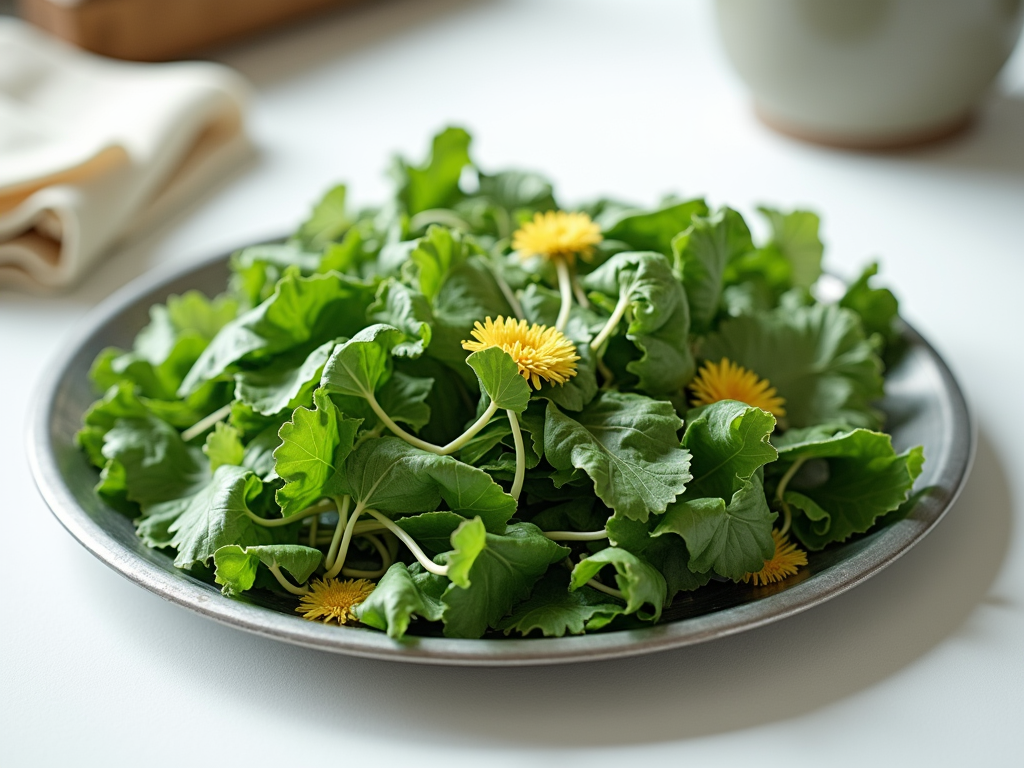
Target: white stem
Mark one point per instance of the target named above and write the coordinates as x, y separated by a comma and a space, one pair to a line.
285, 583
361, 529
443, 216
781, 489
576, 535
565, 288
316, 509
613, 322
368, 435
577, 290
504, 222
339, 529
517, 437
419, 554
607, 590
205, 423
423, 445
787, 516
346, 541
605, 371
509, 294
385, 558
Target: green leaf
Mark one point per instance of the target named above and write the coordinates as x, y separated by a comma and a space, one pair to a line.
637, 579
484, 450
795, 236
516, 190
315, 444
345, 256
877, 307
450, 402
275, 259
502, 572
541, 305
732, 539
660, 318
217, 516
816, 357
328, 221
651, 230
192, 311
628, 445
236, 566
468, 541
405, 309
729, 442
436, 254
358, 366
391, 476
848, 481
259, 453
701, 256
299, 561
249, 423
578, 514
158, 465
556, 611
404, 399
281, 386
469, 293
236, 570
223, 446
499, 378
436, 183
256, 270
666, 553
302, 310
118, 402
398, 597
165, 349
431, 530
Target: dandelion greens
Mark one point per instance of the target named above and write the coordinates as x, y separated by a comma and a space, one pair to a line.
473, 412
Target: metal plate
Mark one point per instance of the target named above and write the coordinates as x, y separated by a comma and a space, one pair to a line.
924, 406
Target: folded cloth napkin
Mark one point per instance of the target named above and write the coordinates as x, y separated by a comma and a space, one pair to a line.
93, 149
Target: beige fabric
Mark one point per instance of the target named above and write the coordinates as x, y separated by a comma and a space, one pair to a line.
93, 149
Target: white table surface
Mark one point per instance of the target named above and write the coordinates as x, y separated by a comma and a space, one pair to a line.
923, 665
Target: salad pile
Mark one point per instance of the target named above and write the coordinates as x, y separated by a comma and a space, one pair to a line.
469, 411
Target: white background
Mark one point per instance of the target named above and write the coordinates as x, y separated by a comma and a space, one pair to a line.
921, 665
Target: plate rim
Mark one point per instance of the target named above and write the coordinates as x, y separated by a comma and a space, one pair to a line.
893, 543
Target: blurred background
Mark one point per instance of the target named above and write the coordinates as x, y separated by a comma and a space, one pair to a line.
663, 97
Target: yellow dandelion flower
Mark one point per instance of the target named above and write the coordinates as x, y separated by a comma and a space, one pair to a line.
539, 351
727, 381
334, 599
557, 234
784, 563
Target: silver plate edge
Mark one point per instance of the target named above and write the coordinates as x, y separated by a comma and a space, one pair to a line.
891, 544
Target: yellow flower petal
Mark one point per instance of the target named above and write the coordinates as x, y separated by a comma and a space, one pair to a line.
784, 563
554, 234
542, 353
727, 381
329, 599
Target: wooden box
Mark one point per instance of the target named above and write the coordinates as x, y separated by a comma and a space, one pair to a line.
159, 30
